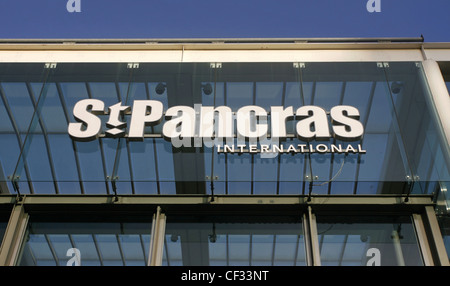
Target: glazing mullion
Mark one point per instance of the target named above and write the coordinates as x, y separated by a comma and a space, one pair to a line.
74, 146
52, 249
228, 250
120, 142
341, 100
119, 244
226, 155
33, 257
273, 249
143, 247
47, 143
97, 250
166, 250
100, 142
250, 250
252, 178
211, 176
31, 253
72, 242
344, 245
307, 163
308, 244
155, 152
297, 245
283, 101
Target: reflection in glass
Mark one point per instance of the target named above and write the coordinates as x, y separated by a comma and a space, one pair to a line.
234, 244
100, 244
360, 241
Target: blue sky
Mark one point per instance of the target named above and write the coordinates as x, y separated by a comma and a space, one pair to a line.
225, 19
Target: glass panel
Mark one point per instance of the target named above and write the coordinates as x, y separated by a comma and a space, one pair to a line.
234, 243
51, 102
362, 240
17, 109
400, 152
263, 85
118, 243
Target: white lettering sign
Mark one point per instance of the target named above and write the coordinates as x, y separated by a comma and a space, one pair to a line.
214, 125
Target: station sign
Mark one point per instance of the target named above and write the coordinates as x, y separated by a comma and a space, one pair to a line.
250, 129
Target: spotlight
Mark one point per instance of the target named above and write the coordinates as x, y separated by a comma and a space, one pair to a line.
396, 87
207, 88
160, 88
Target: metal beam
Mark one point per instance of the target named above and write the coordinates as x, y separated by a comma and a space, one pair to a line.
438, 247
422, 239
314, 241
317, 201
157, 239
14, 236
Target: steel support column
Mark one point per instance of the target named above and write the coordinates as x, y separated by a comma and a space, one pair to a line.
157, 239
437, 246
14, 236
312, 241
423, 240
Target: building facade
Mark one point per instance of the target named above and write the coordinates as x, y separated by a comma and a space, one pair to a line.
227, 152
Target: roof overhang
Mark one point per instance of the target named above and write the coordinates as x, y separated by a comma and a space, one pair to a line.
216, 44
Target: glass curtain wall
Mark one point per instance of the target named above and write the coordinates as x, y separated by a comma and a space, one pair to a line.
222, 240
256, 241
367, 241
403, 150
105, 242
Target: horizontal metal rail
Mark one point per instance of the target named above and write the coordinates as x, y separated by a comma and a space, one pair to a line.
315, 200
214, 40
